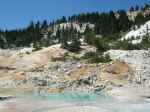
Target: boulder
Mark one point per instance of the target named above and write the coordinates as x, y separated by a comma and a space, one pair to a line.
2, 98
124, 76
112, 70
98, 88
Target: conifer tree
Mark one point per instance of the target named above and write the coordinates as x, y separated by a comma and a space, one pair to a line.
137, 8
123, 21
89, 36
132, 9
63, 38
63, 19
37, 31
139, 20
44, 25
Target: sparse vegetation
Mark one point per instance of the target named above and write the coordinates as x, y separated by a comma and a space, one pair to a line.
96, 57
55, 59
122, 34
107, 25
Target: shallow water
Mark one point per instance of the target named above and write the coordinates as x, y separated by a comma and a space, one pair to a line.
1, 57
99, 101
70, 97
74, 102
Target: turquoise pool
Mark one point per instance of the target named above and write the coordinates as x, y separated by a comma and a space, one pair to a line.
74, 102
70, 97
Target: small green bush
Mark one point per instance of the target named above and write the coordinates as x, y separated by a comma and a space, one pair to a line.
76, 58
96, 57
89, 55
55, 59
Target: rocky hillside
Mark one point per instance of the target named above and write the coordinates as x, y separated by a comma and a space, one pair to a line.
133, 14
54, 69
61, 68
138, 60
137, 35
79, 27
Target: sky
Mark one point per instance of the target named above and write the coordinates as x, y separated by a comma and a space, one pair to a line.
15, 14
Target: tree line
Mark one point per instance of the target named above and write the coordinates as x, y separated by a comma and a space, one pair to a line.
108, 26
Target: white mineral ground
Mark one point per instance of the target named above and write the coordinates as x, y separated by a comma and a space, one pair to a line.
126, 99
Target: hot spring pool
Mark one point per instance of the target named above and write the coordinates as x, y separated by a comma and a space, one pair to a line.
74, 102
70, 97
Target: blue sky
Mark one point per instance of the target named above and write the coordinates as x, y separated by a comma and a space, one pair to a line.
18, 13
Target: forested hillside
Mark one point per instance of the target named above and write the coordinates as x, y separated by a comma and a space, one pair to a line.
108, 29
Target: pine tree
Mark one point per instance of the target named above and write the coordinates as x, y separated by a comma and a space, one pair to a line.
132, 9
89, 36
123, 21
112, 23
37, 31
69, 19
63, 19
142, 9
31, 31
63, 38
139, 20
58, 33
137, 8
75, 44
146, 6
44, 25
31, 26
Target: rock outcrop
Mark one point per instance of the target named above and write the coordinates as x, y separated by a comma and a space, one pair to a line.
37, 70
139, 60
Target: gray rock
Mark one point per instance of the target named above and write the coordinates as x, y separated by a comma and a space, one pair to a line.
2, 98
125, 76
112, 70
98, 88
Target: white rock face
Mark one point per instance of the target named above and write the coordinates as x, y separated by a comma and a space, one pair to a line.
25, 50
132, 14
138, 34
76, 26
139, 60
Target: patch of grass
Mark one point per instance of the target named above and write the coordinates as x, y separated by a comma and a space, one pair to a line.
76, 58
96, 57
6, 68
122, 34
55, 59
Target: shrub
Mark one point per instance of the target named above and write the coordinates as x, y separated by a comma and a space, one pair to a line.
126, 45
89, 55
101, 45
76, 58
73, 47
37, 46
55, 59
96, 57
